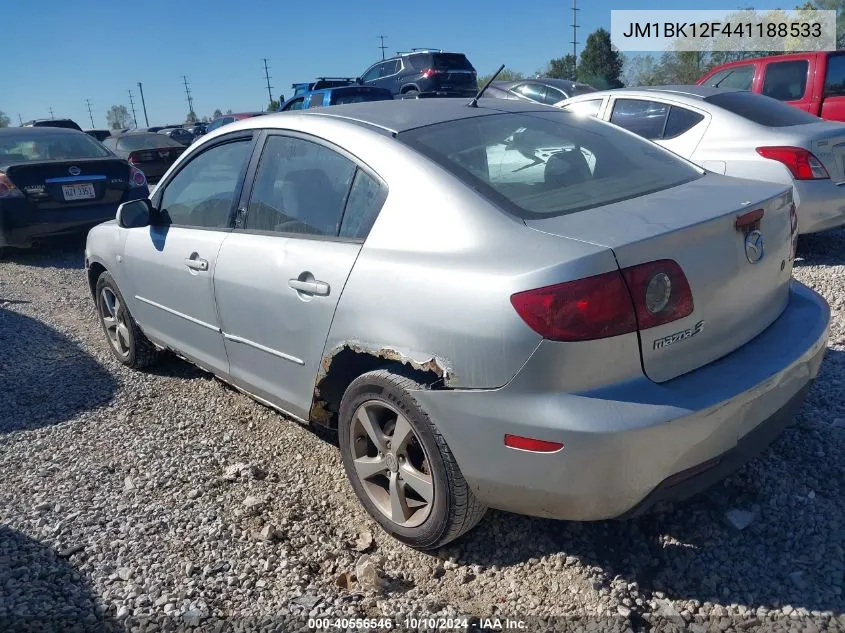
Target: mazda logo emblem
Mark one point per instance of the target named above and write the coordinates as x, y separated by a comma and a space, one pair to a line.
754, 247
74, 171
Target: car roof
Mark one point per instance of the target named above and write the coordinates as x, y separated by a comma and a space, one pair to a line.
39, 130
401, 115
693, 93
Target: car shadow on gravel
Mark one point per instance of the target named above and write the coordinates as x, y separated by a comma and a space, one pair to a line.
45, 377
66, 251
821, 249
41, 589
790, 554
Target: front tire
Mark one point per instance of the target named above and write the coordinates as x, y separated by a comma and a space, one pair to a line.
411, 94
399, 465
126, 341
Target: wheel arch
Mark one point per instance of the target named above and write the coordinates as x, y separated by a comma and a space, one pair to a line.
94, 269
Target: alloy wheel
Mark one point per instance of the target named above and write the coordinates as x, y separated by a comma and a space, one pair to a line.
391, 464
113, 315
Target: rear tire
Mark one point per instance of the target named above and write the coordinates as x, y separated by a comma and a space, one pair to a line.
410, 484
411, 94
126, 340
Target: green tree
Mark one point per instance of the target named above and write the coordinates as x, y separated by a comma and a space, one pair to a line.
506, 75
600, 65
273, 106
118, 117
562, 68
830, 5
217, 114
4, 119
639, 70
191, 118
682, 67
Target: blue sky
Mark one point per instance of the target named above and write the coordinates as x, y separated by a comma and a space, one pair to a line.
87, 49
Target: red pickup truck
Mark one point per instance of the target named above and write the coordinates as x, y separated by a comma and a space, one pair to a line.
814, 82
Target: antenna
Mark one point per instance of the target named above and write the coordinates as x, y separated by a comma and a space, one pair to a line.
188, 92
91, 116
575, 27
143, 103
132, 105
474, 102
267, 76
382, 47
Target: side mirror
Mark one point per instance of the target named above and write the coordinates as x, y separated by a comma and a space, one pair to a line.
134, 214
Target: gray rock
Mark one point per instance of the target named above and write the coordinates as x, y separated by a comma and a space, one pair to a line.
739, 519
124, 573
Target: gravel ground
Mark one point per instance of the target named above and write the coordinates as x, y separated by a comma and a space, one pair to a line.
149, 501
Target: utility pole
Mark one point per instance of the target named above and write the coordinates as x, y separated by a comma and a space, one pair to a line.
267, 76
132, 105
382, 47
188, 92
143, 103
20, 118
575, 10
51, 112
91, 116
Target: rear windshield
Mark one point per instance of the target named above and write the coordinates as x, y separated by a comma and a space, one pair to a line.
451, 61
761, 110
45, 146
145, 141
543, 164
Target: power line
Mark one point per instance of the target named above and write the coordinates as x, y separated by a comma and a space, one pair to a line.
575, 26
188, 92
382, 47
267, 76
132, 105
91, 116
143, 103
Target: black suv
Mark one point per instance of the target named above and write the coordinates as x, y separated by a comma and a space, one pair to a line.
424, 73
63, 123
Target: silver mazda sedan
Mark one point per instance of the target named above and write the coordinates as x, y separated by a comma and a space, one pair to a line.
502, 306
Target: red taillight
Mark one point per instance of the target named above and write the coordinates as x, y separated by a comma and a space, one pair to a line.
8, 188
801, 163
601, 306
430, 72
134, 158
661, 292
530, 444
136, 177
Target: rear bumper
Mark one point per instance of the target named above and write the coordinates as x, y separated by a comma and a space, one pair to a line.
21, 223
820, 205
627, 441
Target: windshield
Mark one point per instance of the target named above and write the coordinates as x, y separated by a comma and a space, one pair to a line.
45, 146
762, 110
133, 142
543, 164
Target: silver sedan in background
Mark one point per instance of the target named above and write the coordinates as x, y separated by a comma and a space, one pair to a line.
505, 305
738, 133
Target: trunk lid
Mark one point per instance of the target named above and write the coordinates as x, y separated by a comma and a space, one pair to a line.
694, 225
69, 183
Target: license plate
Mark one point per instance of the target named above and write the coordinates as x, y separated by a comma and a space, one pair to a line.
78, 192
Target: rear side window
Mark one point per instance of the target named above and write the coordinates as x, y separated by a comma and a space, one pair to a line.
317, 100
680, 120
553, 95
300, 187
785, 81
545, 164
738, 78
362, 207
761, 110
645, 118
834, 81
535, 92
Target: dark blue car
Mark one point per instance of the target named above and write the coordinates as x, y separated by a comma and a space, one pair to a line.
335, 96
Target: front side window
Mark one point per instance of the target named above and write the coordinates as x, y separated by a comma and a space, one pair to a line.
296, 104
372, 73
543, 164
300, 187
645, 118
785, 81
738, 78
203, 193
